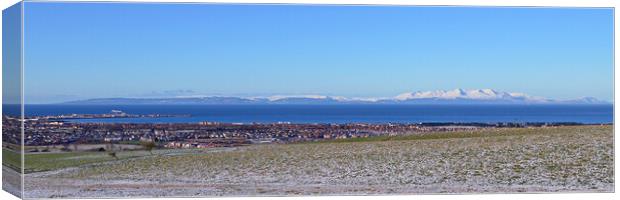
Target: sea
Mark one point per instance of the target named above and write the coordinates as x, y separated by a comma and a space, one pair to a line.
588, 114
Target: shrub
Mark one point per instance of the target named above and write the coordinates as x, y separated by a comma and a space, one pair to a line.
148, 145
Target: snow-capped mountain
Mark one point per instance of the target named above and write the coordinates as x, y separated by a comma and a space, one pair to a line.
479, 94
456, 96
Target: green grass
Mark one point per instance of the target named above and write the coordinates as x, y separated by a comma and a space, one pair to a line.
11, 159
52, 161
38, 162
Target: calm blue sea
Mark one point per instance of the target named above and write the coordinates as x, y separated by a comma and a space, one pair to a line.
336, 113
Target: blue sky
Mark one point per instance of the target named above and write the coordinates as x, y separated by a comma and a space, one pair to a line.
92, 50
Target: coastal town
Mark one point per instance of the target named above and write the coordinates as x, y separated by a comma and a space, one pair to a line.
56, 130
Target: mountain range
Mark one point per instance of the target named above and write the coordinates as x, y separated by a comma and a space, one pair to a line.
456, 96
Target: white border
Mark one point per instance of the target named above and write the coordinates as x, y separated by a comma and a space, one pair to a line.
555, 3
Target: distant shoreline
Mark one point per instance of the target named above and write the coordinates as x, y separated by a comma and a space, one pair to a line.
477, 124
335, 114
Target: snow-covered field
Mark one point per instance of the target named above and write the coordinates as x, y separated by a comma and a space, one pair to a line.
565, 159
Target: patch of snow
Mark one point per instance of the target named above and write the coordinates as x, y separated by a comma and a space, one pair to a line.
475, 94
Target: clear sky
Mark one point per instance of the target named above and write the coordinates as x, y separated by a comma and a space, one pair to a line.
92, 50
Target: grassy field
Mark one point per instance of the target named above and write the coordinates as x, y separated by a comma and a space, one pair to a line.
576, 158
11, 159
39, 162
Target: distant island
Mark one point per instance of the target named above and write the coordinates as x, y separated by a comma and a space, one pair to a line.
456, 96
